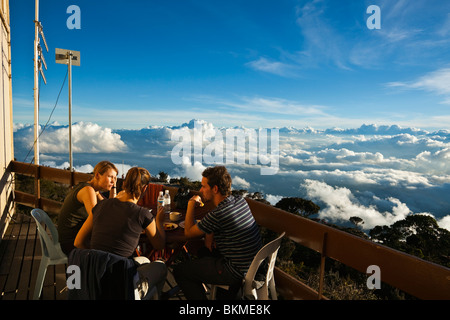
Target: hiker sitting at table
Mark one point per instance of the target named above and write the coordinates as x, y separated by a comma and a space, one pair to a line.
116, 225
235, 233
81, 199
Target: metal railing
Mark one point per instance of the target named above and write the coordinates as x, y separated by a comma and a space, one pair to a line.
417, 277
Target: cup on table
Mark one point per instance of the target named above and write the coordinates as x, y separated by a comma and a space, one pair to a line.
175, 216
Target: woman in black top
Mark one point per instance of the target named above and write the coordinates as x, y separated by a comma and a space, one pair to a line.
81, 199
116, 225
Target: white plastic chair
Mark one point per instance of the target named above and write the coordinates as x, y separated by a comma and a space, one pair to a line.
152, 293
252, 289
51, 249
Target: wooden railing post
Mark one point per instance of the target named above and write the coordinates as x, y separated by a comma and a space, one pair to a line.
72, 178
322, 265
37, 186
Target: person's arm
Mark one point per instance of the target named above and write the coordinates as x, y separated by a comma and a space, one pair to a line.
155, 230
99, 196
191, 230
88, 197
84, 234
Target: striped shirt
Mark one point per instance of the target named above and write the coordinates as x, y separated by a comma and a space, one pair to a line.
236, 233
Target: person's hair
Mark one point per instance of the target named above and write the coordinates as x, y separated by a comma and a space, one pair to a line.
218, 176
135, 181
104, 166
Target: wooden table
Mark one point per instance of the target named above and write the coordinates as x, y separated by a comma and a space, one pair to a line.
176, 241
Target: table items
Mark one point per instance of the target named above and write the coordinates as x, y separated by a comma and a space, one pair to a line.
175, 216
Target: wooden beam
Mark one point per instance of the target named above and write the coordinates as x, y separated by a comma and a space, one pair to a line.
420, 278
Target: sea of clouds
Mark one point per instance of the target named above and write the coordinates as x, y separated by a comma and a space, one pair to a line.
378, 173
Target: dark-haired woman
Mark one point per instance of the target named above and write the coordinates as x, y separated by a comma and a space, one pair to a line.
116, 225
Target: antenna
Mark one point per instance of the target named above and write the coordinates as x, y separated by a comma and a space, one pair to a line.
42, 57
41, 32
38, 62
42, 71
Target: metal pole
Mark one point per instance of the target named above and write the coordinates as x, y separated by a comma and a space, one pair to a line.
36, 85
70, 109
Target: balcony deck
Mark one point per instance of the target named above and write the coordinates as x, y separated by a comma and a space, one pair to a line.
20, 250
20, 256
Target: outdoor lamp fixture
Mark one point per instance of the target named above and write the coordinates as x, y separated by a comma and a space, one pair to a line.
71, 58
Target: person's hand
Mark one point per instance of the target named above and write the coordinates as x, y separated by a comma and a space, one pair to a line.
160, 215
113, 191
197, 200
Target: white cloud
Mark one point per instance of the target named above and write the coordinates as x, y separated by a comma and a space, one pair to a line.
378, 172
192, 171
274, 67
241, 183
322, 41
86, 168
123, 169
444, 222
261, 105
273, 199
86, 137
330, 37
437, 82
341, 204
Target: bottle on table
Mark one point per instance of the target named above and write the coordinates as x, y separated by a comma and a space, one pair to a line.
160, 201
167, 201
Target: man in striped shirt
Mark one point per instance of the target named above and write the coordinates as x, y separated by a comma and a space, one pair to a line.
231, 235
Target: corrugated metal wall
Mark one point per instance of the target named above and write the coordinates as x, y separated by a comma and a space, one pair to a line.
6, 121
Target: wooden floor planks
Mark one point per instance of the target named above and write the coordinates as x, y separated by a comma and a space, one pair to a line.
20, 256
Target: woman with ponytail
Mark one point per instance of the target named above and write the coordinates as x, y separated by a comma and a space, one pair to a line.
81, 199
116, 225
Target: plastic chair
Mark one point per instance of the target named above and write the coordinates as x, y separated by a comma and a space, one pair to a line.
51, 249
152, 293
255, 290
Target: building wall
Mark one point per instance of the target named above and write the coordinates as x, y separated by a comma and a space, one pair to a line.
6, 119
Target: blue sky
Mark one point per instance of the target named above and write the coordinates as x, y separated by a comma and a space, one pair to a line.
240, 62
254, 63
